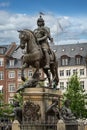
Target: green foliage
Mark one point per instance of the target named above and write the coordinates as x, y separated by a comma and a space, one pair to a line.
18, 97
6, 109
77, 96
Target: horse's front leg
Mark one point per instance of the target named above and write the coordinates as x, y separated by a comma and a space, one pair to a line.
48, 76
25, 65
36, 74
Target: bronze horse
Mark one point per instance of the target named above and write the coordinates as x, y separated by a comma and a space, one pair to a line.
35, 57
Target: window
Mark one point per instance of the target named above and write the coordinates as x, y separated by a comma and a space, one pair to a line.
61, 85
64, 61
82, 84
19, 74
1, 88
1, 61
11, 87
68, 72
1, 75
63, 49
61, 72
54, 50
75, 71
78, 59
11, 74
10, 100
30, 73
81, 71
2, 50
72, 49
81, 49
25, 73
11, 62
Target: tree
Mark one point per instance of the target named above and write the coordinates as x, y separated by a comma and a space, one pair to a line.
77, 95
18, 97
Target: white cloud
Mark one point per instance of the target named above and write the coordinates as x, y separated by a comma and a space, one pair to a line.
63, 29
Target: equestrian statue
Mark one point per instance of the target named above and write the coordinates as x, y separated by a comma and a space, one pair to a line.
38, 54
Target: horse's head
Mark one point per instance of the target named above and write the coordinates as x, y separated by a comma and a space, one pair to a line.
23, 38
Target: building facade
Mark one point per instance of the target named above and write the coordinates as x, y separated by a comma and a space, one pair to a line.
71, 58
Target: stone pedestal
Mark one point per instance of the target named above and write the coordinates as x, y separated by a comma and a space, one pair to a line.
80, 125
61, 125
85, 124
15, 125
41, 96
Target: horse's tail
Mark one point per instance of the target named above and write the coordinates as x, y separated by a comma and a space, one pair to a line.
55, 59
56, 67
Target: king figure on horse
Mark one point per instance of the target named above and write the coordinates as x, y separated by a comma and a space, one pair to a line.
42, 35
38, 54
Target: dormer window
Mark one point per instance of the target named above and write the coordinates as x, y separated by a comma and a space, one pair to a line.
63, 50
81, 49
11, 62
54, 50
64, 60
1, 50
72, 49
78, 59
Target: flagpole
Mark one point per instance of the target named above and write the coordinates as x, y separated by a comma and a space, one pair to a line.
58, 27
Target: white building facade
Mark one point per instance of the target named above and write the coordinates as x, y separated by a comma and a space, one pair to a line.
72, 58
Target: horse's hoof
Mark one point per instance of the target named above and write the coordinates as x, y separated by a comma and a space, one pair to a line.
50, 85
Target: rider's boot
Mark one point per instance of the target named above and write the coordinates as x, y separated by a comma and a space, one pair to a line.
47, 60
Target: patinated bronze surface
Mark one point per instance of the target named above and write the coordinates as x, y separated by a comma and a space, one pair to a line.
38, 54
42, 35
17, 112
53, 110
66, 112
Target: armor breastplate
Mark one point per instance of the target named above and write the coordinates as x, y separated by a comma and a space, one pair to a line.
39, 33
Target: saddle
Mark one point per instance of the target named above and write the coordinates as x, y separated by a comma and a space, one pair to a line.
50, 52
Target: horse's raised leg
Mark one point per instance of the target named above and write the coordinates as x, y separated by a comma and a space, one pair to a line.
25, 65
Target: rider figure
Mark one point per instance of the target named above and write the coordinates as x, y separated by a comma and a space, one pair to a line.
42, 35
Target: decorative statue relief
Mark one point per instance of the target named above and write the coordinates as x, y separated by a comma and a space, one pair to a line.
53, 111
66, 112
31, 111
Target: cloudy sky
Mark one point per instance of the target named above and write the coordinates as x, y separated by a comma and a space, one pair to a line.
67, 19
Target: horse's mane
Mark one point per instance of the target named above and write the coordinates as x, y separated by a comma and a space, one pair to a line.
34, 39
28, 30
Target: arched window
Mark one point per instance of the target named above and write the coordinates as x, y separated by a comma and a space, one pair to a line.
65, 60
78, 59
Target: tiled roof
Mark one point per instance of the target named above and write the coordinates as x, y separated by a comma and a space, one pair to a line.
17, 54
71, 50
